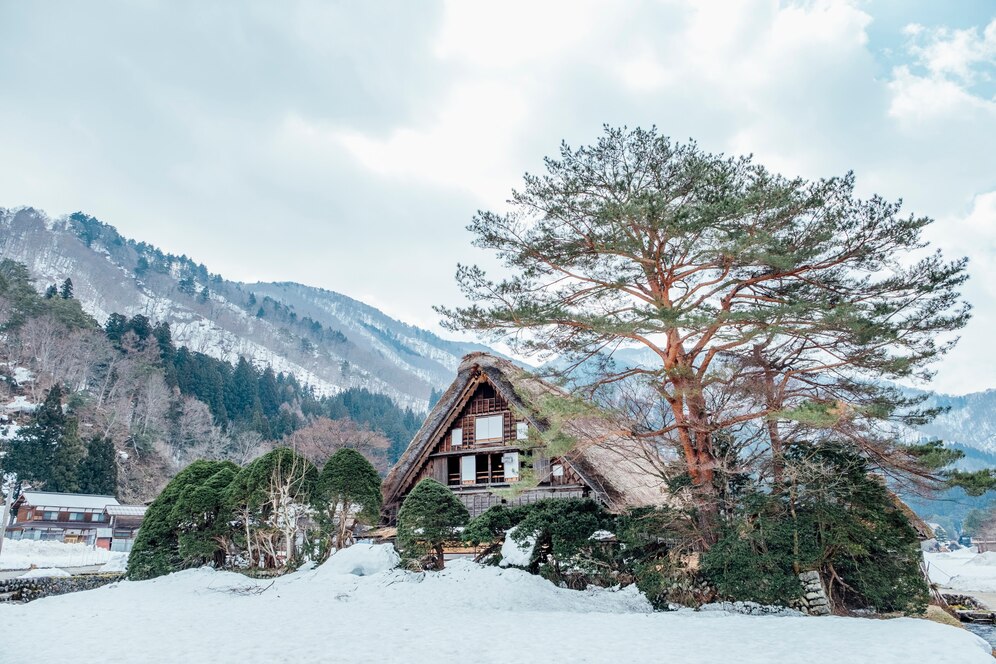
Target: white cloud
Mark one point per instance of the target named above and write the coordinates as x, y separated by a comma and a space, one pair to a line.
972, 364
463, 146
947, 65
919, 99
319, 129
956, 53
514, 33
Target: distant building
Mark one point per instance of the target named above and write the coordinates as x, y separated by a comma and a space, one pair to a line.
123, 524
75, 518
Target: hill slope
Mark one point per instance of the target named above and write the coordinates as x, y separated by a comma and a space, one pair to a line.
326, 339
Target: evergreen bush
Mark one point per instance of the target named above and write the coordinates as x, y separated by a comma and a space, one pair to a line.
348, 489
157, 546
429, 517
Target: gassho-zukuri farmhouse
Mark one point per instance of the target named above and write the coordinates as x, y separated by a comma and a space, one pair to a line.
477, 441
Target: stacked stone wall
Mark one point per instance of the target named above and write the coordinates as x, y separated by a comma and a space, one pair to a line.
814, 600
25, 590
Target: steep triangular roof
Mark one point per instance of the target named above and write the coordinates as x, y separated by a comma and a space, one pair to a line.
618, 466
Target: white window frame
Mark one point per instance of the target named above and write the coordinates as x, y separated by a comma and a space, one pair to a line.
521, 431
486, 424
456, 437
510, 460
468, 469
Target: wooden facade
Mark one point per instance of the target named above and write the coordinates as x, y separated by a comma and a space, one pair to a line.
474, 457
75, 519
484, 436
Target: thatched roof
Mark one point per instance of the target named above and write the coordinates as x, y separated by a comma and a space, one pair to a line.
922, 528
615, 464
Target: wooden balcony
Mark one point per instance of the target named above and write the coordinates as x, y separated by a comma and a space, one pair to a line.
482, 479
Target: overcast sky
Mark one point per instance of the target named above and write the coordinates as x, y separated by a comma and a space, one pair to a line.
347, 145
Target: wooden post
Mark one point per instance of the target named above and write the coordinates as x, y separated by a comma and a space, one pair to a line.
6, 512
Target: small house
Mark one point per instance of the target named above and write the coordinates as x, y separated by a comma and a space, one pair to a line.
478, 439
75, 518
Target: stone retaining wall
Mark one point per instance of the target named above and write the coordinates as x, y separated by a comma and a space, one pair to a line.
25, 590
814, 599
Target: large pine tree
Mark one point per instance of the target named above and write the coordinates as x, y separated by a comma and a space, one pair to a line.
763, 301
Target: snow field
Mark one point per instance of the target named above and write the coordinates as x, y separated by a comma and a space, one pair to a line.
22, 554
354, 608
963, 570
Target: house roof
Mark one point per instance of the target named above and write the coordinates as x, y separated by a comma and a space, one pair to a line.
617, 465
126, 510
70, 500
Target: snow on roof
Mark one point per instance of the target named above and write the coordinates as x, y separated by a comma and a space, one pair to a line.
126, 510
77, 500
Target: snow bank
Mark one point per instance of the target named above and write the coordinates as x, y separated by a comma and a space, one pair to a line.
360, 560
20, 404
963, 570
515, 554
987, 559
464, 613
751, 609
44, 573
23, 375
22, 554
118, 564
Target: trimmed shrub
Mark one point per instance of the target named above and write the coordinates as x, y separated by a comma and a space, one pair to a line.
157, 545
428, 518
347, 481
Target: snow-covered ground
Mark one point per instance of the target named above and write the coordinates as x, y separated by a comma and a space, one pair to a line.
22, 554
963, 570
355, 609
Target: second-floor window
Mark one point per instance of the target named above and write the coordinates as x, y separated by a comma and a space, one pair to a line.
51, 516
489, 428
76, 516
97, 516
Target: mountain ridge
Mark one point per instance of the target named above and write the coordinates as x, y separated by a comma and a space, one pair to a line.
329, 340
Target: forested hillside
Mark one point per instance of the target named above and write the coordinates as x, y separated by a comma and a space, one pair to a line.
327, 340
160, 404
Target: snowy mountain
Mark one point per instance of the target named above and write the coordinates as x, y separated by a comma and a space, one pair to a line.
970, 421
326, 339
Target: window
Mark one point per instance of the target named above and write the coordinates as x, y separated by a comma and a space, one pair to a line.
468, 469
557, 470
97, 516
510, 461
456, 438
489, 428
51, 516
76, 516
521, 431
